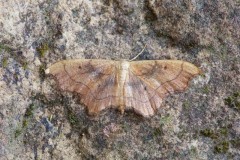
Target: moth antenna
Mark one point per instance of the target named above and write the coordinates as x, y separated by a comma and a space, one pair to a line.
138, 54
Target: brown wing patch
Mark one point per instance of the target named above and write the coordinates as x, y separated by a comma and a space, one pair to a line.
94, 80
169, 75
140, 97
160, 78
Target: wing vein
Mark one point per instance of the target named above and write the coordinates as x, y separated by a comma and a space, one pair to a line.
155, 90
96, 98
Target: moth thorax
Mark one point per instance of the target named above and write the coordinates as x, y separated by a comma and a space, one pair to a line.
124, 65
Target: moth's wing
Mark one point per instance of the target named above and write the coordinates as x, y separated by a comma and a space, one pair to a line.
139, 97
150, 82
94, 80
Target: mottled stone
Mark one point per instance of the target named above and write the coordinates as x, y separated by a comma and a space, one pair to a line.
37, 121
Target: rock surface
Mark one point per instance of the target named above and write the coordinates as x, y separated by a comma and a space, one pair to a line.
37, 121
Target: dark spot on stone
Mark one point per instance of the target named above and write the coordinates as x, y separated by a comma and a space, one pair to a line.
106, 2
119, 29
96, 41
62, 48
48, 125
41, 71
20, 53
58, 33
150, 14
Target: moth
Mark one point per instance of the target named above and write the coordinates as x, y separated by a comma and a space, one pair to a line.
137, 85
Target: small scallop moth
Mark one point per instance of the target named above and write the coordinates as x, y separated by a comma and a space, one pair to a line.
140, 86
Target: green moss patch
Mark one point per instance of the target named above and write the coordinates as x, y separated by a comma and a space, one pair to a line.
166, 120
222, 147
233, 101
12, 53
4, 62
209, 133
28, 114
17, 132
158, 132
29, 111
220, 139
25, 65
206, 89
186, 105
42, 49
72, 118
5, 48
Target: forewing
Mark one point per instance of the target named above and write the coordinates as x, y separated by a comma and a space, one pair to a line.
94, 80
160, 78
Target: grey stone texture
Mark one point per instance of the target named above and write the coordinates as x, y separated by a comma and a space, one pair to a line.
38, 121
